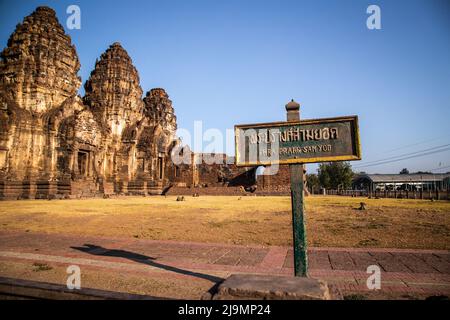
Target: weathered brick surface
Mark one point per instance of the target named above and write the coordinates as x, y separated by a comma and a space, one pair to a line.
320, 260
362, 260
341, 261
414, 263
436, 261
389, 262
341, 267
276, 183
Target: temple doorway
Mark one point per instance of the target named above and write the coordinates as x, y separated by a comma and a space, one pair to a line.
83, 157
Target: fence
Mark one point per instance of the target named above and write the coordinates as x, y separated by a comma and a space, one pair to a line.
399, 194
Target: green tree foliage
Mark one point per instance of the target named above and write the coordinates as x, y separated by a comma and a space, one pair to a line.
404, 171
334, 175
312, 181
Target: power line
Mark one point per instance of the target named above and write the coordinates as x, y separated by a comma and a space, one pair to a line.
404, 155
405, 158
414, 144
440, 168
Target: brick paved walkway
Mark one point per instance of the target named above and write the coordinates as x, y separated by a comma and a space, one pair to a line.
403, 271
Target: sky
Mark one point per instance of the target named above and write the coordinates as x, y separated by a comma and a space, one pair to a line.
228, 62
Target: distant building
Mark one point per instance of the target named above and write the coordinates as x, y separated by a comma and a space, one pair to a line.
410, 182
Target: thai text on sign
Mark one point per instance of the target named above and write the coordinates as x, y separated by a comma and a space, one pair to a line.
306, 141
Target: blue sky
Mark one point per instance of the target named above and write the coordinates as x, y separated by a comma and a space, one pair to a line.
230, 62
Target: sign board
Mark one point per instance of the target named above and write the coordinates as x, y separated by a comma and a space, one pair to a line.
303, 141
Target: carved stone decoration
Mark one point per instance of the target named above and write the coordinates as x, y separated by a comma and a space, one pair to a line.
53, 143
147, 144
158, 108
38, 68
38, 86
113, 91
86, 130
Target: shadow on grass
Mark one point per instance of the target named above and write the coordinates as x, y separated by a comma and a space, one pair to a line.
139, 258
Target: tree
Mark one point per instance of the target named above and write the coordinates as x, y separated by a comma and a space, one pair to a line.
404, 171
335, 175
312, 181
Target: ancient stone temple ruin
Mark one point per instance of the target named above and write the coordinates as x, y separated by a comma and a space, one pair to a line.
56, 144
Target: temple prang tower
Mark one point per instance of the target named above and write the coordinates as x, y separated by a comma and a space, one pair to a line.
38, 84
54, 143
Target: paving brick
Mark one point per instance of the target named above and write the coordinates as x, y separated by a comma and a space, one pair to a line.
341, 261
402, 270
319, 260
389, 262
443, 256
289, 260
435, 262
362, 260
253, 257
274, 258
414, 263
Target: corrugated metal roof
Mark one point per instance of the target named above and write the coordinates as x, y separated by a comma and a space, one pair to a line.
404, 177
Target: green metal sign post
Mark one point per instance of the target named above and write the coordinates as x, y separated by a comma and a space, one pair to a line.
298, 221
294, 143
297, 176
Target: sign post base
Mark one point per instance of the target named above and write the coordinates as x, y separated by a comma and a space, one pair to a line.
268, 287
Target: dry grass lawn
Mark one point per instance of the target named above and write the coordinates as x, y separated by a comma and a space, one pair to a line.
331, 221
